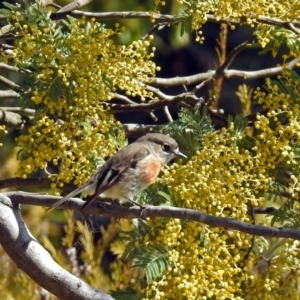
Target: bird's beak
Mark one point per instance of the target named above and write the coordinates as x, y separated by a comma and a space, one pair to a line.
178, 153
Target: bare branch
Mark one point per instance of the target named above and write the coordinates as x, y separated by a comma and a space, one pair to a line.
74, 5
194, 79
155, 28
111, 210
8, 67
185, 80
4, 94
13, 68
263, 210
35, 261
168, 114
231, 56
10, 84
293, 26
127, 100
11, 119
6, 46
184, 97
21, 111
137, 130
115, 15
201, 85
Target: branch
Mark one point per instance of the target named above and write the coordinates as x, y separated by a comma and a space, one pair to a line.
194, 79
35, 261
293, 26
28, 112
4, 94
137, 130
127, 100
9, 67
231, 56
74, 5
184, 97
10, 84
111, 210
11, 119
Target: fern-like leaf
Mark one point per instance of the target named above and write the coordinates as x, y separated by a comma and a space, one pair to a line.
153, 260
128, 294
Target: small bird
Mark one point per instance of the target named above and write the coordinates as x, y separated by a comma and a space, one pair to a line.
130, 170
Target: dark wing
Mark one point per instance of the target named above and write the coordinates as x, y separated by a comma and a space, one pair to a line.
108, 174
67, 197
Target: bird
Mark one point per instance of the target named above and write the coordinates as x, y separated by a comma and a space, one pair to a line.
128, 172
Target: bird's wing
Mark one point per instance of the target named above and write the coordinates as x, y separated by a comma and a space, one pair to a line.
111, 171
67, 197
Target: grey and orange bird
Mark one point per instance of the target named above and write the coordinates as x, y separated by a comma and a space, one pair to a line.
130, 170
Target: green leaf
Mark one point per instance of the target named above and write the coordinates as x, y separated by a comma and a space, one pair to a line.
12, 7
56, 89
153, 260
128, 294
5, 12
107, 81
190, 129
240, 123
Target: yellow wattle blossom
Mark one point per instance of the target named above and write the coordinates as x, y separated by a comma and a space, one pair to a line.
75, 69
222, 179
2, 129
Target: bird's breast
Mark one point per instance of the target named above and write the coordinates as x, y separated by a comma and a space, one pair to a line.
149, 170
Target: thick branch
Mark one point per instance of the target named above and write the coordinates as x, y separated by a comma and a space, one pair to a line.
35, 261
111, 210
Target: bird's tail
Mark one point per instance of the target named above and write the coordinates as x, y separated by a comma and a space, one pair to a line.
69, 196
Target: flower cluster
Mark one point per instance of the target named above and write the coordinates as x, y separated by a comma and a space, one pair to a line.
246, 12
74, 68
2, 129
230, 172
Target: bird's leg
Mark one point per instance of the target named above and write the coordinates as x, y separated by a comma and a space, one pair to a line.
136, 203
116, 202
142, 207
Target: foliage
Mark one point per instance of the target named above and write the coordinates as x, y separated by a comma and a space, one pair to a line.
224, 177
71, 67
62, 82
190, 129
246, 12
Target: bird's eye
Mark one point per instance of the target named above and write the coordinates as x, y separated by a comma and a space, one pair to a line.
166, 147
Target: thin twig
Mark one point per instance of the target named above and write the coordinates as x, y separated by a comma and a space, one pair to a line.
168, 114
127, 100
184, 97
231, 56
155, 28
